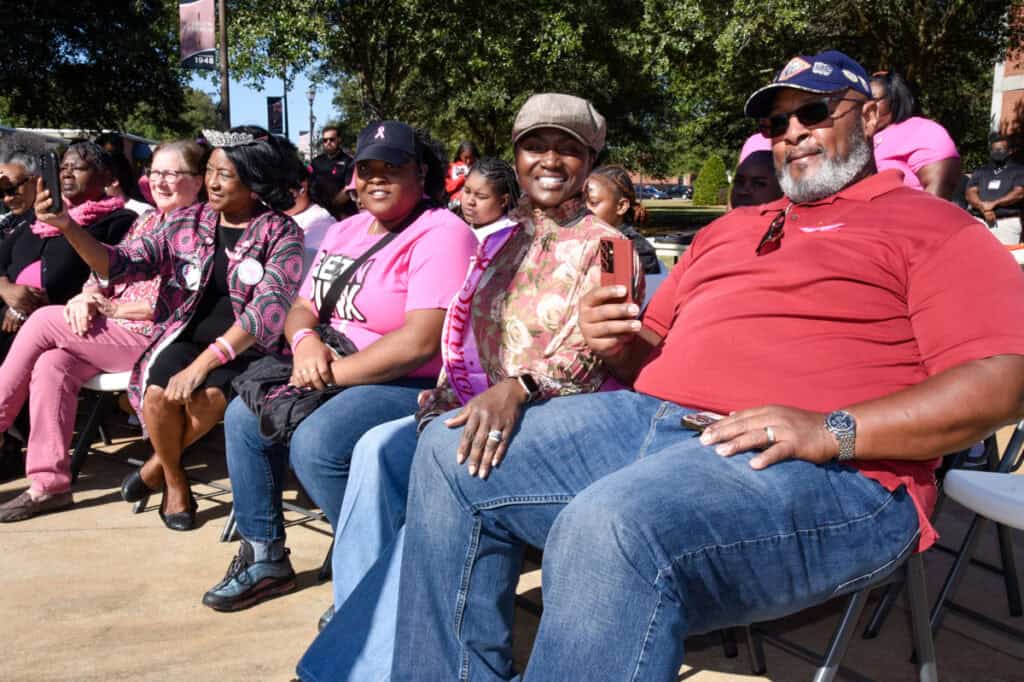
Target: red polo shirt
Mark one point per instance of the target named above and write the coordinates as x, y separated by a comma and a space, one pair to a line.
871, 291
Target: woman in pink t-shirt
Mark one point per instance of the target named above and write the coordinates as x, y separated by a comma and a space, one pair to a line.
919, 147
392, 309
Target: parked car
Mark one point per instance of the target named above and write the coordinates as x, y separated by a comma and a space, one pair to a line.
680, 191
648, 192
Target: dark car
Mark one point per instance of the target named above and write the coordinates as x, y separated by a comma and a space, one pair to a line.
680, 191
648, 192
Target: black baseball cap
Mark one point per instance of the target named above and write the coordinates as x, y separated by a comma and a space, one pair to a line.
391, 141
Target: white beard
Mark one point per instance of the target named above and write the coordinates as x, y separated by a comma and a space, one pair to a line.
833, 175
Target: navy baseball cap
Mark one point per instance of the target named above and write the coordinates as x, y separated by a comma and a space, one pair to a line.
829, 71
391, 141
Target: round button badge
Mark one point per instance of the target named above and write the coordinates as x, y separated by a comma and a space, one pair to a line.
250, 271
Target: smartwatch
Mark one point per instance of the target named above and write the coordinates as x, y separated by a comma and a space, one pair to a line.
529, 385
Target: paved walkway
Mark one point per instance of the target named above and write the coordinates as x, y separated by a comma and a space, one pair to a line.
97, 593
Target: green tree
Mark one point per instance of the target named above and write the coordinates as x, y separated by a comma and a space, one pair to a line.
199, 111
710, 183
90, 65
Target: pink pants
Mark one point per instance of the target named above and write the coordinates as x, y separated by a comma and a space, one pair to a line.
47, 365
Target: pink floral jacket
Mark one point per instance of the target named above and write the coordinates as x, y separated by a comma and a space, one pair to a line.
186, 241
525, 308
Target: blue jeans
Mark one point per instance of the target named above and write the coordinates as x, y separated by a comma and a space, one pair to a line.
319, 453
358, 642
648, 537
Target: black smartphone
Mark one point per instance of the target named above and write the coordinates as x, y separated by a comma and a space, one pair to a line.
49, 169
698, 421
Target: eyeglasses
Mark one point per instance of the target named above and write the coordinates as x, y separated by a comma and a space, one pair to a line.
13, 189
325, 140
809, 114
170, 176
772, 238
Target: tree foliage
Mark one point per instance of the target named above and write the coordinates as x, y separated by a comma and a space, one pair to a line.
90, 65
711, 182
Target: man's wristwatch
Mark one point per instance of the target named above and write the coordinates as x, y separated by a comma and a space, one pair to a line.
529, 385
843, 428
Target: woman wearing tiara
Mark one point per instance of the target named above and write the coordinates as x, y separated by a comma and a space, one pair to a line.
229, 270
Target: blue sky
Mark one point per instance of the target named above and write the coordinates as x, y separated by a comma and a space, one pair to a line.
249, 105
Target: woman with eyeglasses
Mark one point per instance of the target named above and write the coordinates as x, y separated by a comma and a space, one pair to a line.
99, 330
918, 146
37, 264
229, 269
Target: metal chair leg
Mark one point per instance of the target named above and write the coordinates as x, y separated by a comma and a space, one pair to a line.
1009, 569
963, 560
84, 443
882, 609
841, 639
728, 637
228, 533
326, 569
755, 647
917, 594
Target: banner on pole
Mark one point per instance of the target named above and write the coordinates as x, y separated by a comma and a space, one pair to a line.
275, 115
198, 27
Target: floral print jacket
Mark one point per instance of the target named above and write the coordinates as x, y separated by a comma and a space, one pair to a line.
184, 243
525, 308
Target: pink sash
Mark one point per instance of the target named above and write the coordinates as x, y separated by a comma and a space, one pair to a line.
459, 352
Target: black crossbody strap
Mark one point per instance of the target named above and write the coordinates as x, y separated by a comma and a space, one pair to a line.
341, 281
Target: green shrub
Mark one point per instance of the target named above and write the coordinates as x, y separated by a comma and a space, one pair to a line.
710, 183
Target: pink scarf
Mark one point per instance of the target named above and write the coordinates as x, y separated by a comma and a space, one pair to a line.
85, 214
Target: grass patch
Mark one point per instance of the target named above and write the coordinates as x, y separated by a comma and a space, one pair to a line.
677, 215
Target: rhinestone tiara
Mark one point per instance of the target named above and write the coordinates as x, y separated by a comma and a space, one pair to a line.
217, 138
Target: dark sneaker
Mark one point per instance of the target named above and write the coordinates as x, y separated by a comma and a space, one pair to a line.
24, 507
249, 582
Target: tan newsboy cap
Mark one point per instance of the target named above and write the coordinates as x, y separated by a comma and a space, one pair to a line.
574, 115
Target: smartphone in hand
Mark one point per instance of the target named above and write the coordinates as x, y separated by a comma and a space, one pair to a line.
698, 421
617, 265
49, 169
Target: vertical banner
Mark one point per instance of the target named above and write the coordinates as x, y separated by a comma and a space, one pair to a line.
275, 115
198, 26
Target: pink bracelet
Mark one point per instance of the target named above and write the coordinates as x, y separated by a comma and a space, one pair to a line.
227, 347
215, 349
299, 336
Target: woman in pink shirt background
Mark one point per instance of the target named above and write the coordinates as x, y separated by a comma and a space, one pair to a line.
919, 147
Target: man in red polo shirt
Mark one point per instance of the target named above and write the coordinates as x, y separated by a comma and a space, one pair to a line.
853, 331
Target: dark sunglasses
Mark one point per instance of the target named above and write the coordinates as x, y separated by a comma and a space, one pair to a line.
809, 114
772, 238
13, 189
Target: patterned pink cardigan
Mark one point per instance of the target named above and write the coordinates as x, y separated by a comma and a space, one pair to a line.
186, 239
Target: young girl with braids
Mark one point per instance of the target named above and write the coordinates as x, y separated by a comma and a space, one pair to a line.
612, 198
489, 193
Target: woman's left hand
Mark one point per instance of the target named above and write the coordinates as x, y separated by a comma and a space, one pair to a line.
496, 410
781, 432
183, 384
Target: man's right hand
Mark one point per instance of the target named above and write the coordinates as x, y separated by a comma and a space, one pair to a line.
606, 322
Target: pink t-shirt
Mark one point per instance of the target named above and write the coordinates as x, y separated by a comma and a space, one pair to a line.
422, 268
911, 145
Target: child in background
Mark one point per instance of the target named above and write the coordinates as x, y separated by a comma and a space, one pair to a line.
465, 156
612, 198
490, 192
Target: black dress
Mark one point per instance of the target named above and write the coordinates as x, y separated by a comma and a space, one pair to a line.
212, 318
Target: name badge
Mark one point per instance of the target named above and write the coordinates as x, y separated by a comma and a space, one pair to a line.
994, 184
191, 274
250, 271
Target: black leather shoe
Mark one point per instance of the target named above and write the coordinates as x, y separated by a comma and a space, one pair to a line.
133, 488
185, 520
